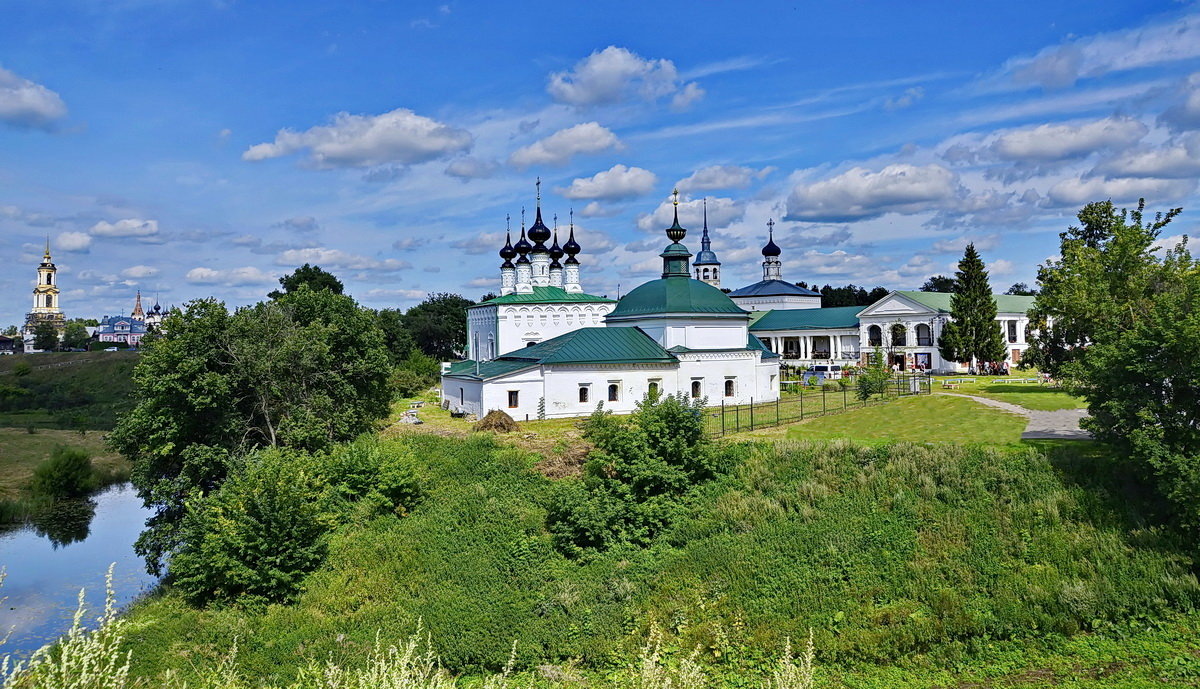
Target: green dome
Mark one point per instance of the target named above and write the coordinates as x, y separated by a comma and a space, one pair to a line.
675, 295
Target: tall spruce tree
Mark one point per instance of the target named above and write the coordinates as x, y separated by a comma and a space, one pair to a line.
973, 335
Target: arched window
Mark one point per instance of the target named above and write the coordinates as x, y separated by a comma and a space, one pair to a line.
49, 300
612, 392
652, 388
49, 281
583, 394
729, 388
899, 335
695, 389
706, 273
875, 336
924, 335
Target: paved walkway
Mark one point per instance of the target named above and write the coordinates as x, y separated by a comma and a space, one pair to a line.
1061, 424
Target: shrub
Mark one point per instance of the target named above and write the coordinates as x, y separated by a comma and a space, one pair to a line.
67, 474
831, 386
22, 369
254, 540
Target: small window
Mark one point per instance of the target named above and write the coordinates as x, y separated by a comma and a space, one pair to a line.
874, 336
530, 344
729, 388
652, 388
695, 389
461, 396
612, 392
513, 399
583, 394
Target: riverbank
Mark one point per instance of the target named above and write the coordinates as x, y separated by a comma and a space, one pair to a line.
24, 452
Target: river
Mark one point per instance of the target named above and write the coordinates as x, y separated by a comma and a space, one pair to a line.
47, 563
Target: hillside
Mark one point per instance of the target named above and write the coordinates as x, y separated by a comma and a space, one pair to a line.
69, 390
914, 565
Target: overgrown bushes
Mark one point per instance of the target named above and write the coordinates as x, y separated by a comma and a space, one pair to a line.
67, 474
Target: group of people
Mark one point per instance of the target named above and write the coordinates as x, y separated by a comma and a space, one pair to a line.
989, 368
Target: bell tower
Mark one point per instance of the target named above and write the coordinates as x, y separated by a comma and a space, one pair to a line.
46, 308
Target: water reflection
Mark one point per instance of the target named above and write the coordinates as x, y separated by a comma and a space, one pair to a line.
64, 522
49, 561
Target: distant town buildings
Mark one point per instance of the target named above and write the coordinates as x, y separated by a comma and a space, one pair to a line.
131, 329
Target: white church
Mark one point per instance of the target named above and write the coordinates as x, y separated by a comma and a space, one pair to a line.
565, 351
545, 348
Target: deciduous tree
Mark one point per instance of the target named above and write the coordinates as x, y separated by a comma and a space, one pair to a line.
312, 276
439, 325
45, 336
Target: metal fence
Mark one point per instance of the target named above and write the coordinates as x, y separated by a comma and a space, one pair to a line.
807, 401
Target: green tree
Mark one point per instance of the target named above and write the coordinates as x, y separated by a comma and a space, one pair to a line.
86, 322
439, 325
11, 331
45, 336
304, 371
76, 336
875, 376
397, 339
312, 276
67, 474
1021, 289
938, 283
973, 335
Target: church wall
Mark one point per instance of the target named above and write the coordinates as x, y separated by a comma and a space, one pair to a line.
692, 332
512, 327
765, 303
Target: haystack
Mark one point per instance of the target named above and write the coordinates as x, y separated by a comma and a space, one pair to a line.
498, 421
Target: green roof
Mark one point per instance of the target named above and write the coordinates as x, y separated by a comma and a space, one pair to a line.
940, 301
809, 319
676, 294
585, 345
545, 295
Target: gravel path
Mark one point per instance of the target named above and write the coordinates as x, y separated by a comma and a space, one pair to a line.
1062, 424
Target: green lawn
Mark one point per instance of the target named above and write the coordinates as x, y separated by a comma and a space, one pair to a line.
927, 418
21, 451
1028, 395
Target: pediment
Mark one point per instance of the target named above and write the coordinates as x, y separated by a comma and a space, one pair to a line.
895, 305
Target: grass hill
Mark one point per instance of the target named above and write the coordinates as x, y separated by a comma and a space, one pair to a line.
68, 390
914, 565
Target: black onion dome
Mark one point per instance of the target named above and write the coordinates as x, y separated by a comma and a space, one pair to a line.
508, 253
771, 249
555, 265
538, 232
556, 251
572, 247
523, 246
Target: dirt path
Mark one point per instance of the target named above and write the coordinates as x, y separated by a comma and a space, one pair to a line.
1062, 424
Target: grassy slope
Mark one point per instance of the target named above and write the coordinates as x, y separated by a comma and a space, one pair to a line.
928, 418
21, 451
68, 389
1028, 395
910, 562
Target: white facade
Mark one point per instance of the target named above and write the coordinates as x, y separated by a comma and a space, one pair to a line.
816, 346
496, 328
768, 302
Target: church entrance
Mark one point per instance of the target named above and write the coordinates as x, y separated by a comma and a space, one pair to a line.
898, 361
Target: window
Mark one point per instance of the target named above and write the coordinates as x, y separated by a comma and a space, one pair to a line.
652, 388
461, 396
924, 335
530, 344
1012, 331
612, 392
513, 399
899, 335
583, 394
729, 387
875, 336
696, 389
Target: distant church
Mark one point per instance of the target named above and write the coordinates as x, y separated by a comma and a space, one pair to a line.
132, 328
46, 307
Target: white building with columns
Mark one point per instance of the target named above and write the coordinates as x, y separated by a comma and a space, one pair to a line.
672, 335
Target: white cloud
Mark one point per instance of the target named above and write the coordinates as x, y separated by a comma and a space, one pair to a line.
1000, 267
1117, 51
618, 182
469, 167
1184, 112
1051, 142
403, 294
859, 193
721, 213
614, 75
1121, 190
596, 210
561, 146
303, 223
956, 245
400, 136
73, 241
721, 177
336, 258
130, 227
232, 277
137, 272
26, 104
904, 100
1176, 159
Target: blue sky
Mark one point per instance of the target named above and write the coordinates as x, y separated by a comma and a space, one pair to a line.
191, 148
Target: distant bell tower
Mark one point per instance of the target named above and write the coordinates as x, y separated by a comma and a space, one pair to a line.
46, 308
706, 266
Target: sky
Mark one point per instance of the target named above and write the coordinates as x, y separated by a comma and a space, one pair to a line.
196, 148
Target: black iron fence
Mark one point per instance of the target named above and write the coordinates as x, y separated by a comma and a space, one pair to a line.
798, 402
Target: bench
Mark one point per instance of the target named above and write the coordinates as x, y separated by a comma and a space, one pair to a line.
949, 386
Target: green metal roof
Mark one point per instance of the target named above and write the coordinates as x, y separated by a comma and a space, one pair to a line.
808, 319
940, 301
545, 295
583, 346
676, 294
